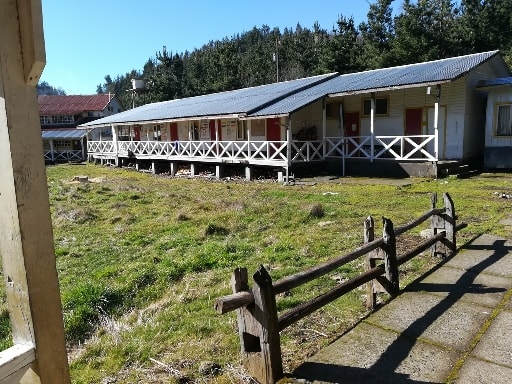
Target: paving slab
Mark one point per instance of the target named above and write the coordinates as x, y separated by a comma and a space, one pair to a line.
369, 354
496, 346
434, 318
482, 289
483, 372
486, 254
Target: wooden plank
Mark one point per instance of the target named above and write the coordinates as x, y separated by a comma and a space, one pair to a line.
287, 283
15, 361
306, 308
234, 301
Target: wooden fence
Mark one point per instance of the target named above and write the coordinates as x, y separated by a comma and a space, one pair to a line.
259, 323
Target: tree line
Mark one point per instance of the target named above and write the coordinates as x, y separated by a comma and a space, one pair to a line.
423, 30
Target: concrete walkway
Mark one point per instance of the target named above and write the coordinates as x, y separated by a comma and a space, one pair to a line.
454, 325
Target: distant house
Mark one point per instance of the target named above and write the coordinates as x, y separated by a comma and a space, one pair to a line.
498, 123
413, 119
61, 114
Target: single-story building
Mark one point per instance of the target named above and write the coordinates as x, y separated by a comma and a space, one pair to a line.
64, 145
414, 117
498, 123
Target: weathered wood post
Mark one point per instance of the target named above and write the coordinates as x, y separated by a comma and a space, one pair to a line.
390, 282
258, 327
369, 235
436, 224
26, 239
449, 225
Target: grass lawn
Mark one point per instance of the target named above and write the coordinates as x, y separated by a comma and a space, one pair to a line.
142, 258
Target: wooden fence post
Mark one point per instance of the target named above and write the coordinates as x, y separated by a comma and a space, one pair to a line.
449, 225
390, 282
371, 257
436, 224
258, 328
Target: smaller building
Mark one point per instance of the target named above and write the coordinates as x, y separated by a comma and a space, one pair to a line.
60, 115
498, 123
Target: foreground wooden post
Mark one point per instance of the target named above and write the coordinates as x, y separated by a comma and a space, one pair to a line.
26, 238
390, 282
436, 225
371, 257
258, 327
449, 225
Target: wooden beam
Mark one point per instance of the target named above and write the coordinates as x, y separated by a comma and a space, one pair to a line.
26, 237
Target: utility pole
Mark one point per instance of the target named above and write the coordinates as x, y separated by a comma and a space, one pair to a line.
276, 59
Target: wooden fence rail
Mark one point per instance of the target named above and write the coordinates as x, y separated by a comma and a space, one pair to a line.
258, 321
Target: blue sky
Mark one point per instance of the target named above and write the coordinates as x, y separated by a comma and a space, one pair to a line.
88, 39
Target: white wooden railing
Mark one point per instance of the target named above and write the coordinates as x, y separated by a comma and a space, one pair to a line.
399, 148
402, 148
63, 155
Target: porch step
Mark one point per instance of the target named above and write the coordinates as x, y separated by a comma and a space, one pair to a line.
458, 169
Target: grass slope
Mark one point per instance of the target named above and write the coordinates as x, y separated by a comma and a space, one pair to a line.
141, 259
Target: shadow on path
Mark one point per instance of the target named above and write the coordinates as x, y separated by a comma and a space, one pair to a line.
383, 369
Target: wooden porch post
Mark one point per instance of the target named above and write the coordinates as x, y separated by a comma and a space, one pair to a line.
83, 142
324, 130
436, 121
26, 238
52, 149
114, 140
372, 124
288, 149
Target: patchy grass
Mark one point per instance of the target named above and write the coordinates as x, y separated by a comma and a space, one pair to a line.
141, 259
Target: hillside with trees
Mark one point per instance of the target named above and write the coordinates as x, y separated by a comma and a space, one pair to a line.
421, 30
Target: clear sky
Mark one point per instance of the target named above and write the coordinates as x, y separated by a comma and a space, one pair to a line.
89, 39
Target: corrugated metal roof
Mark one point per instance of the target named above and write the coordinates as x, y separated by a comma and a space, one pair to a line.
60, 134
432, 72
241, 101
72, 104
287, 97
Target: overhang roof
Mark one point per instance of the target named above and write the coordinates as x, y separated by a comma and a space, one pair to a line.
72, 104
499, 82
64, 134
287, 97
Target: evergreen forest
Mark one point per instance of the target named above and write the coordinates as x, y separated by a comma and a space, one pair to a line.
420, 30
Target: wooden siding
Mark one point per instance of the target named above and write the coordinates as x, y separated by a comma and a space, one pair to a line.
496, 97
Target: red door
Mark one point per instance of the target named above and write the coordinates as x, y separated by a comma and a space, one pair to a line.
351, 125
136, 133
273, 129
273, 134
413, 119
174, 131
211, 124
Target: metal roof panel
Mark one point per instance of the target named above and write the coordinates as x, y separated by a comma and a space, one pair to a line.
59, 134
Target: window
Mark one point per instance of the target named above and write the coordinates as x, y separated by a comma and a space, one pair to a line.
332, 110
381, 106
62, 144
504, 121
258, 128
